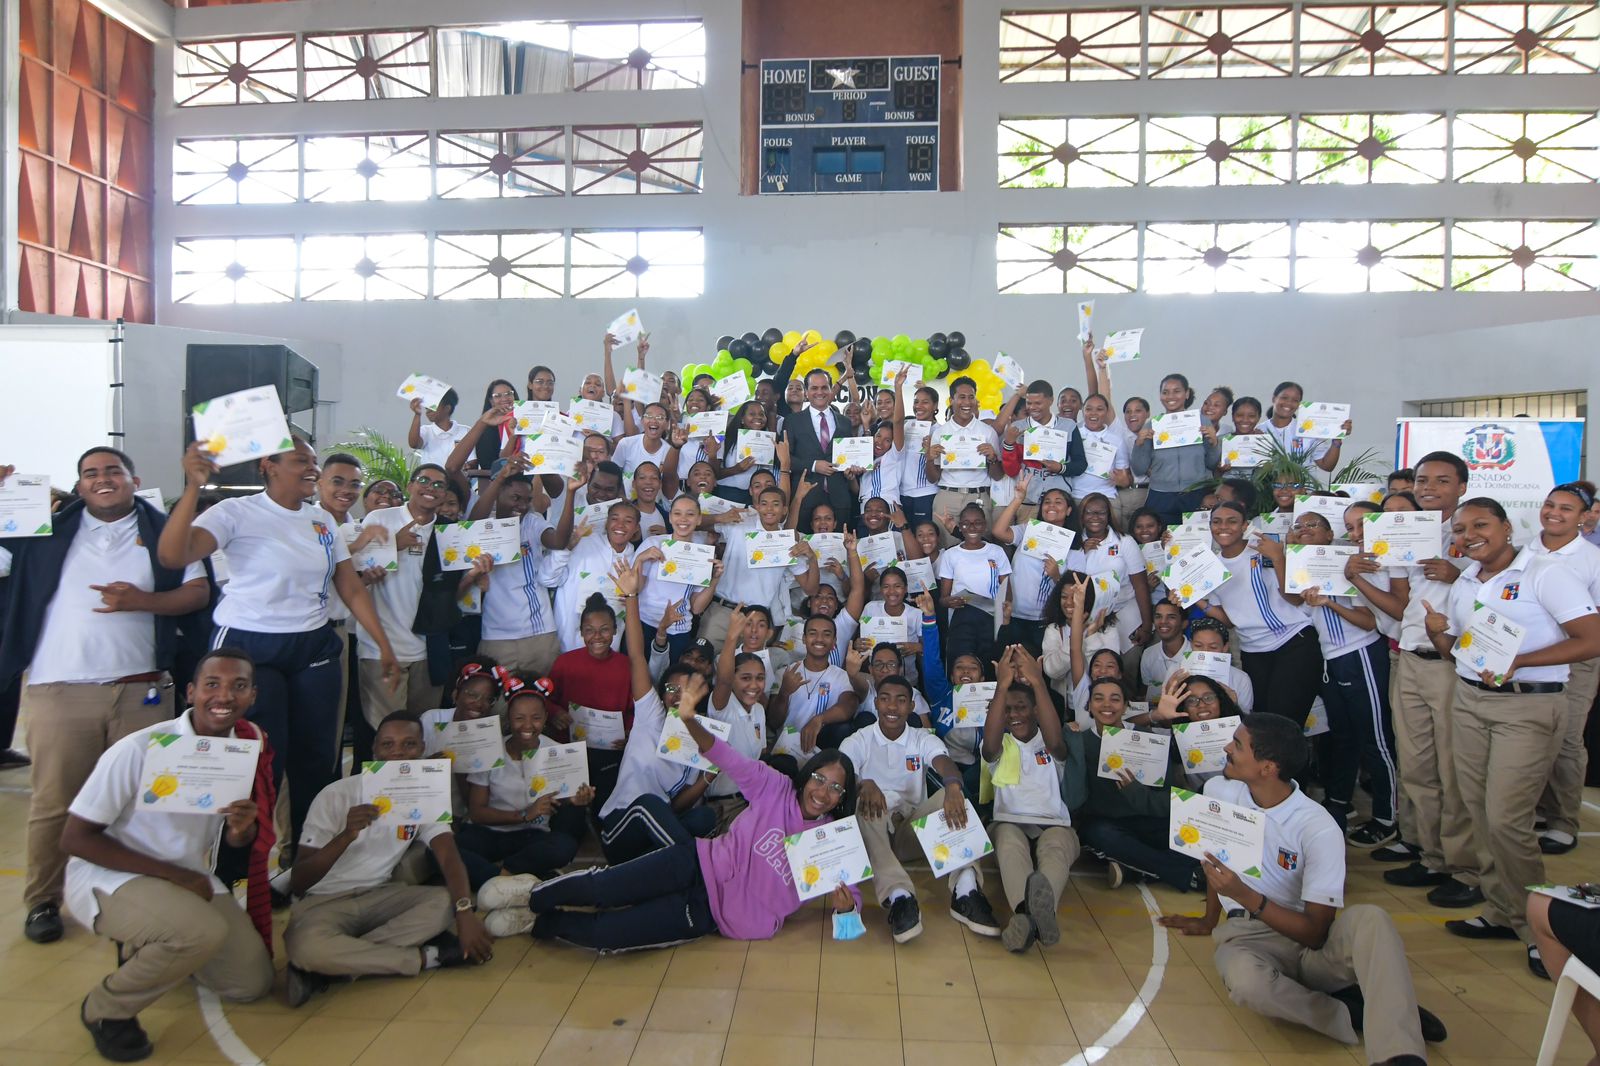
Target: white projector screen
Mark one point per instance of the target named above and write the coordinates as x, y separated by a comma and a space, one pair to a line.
59, 380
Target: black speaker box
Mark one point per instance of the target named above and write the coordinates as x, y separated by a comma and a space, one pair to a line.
213, 370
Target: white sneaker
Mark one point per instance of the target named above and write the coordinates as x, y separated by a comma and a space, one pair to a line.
507, 890
508, 921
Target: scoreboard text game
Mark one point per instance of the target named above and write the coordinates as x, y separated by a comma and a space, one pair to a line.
850, 125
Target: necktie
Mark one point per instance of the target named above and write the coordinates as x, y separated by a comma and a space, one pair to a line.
826, 435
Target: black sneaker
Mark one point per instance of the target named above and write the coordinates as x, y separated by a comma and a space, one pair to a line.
1415, 876
905, 919
449, 949
1550, 844
1536, 963
117, 1039
302, 985
1019, 934
1399, 851
974, 912
1040, 901
1433, 1030
1454, 893
1371, 833
43, 926
1479, 929
11, 759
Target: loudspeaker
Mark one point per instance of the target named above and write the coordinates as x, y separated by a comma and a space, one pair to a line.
213, 370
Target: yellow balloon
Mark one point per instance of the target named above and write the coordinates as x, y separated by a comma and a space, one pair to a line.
812, 336
779, 351
978, 368
791, 338
827, 348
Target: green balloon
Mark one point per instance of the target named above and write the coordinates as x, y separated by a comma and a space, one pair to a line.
744, 367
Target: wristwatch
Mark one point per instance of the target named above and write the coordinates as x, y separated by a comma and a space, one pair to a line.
464, 904
1255, 915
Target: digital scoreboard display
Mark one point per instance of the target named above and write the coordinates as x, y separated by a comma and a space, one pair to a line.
850, 125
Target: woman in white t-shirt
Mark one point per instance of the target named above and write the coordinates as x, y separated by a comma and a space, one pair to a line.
287, 560
1108, 556
649, 444
972, 570
660, 588
1107, 450
1034, 575
733, 475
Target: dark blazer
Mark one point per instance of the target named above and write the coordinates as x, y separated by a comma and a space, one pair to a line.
805, 449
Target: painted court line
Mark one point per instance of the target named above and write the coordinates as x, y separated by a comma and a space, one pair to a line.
222, 1033
1136, 1010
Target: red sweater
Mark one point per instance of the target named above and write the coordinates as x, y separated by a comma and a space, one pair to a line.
603, 684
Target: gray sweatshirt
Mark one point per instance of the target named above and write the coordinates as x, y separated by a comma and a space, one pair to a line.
1175, 469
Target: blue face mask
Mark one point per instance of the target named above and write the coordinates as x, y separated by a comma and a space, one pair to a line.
847, 926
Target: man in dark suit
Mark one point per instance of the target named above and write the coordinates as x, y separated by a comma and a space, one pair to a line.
810, 433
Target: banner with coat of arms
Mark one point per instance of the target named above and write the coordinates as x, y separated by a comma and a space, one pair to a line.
1515, 460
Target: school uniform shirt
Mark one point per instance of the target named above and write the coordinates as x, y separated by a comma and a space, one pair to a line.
1155, 665
1261, 618
1413, 627
510, 788
397, 595
972, 571
695, 450
898, 767
740, 581
593, 555
919, 703
730, 459
1056, 658
643, 771
1031, 585
111, 798
883, 480
433, 727
1036, 798
370, 860
630, 452
1338, 636
437, 444
819, 690
1117, 553
1534, 592
659, 591
516, 605
78, 645
652, 518
1089, 482
1310, 449
1388, 625
910, 665
1128, 438
1579, 556
280, 564
913, 474
976, 430
747, 734
1303, 860
845, 627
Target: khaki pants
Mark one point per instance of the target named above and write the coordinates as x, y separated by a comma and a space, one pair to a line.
1026, 512
1021, 849
886, 847
1280, 978
369, 932
169, 933
1422, 732
714, 622
1563, 795
415, 694
1504, 745
69, 727
533, 654
1125, 502
1405, 815
952, 502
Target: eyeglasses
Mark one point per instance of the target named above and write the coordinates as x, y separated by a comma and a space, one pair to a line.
429, 482
502, 396
541, 381
672, 690
1207, 700
832, 786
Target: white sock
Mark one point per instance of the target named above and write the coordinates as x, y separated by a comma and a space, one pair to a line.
966, 881
1557, 835
430, 957
898, 893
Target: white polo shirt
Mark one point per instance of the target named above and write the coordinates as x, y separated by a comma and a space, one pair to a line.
1303, 860
1036, 799
747, 734
630, 452
976, 430
1031, 587
1155, 665
1335, 635
1413, 630
898, 767
743, 583
280, 564
919, 703
371, 858
516, 604
510, 788
110, 798
1117, 553
80, 646
1579, 556
659, 591
973, 571
397, 595
819, 690
437, 444
883, 480
593, 555
1535, 592
643, 771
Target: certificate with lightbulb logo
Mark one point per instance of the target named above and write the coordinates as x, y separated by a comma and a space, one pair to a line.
827, 856
189, 774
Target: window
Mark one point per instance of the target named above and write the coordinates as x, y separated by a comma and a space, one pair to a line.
509, 60
1369, 256
499, 266
1373, 39
379, 266
636, 159
1227, 150
375, 166
1077, 153
638, 263
1527, 38
1070, 45
224, 270
1526, 147
1509, 256
1221, 42
1208, 257
478, 164
644, 55
368, 66
236, 170
255, 70
1574, 404
1068, 258
1370, 149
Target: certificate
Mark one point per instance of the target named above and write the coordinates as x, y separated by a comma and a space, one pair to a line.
553, 453
1402, 538
822, 859
1142, 754
677, 746
788, 743
949, 849
641, 386
556, 424
1274, 524
1009, 371
1102, 456
687, 561
605, 583
1196, 521
376, 554
463, 543
420, 386
961, 453
1194, 575
919, 576
710, 504
25, 506
1175, 429
768, 548
188, 774
1186, 540
1041, 443
892, 368
1235, 835
242, 427
916, 433
407, 791
883, 628
1201, 744
1490, 642
591, 515
1085, 320
1371, 491
597, 729
529, 415
1316, 722
969, 704
626, 327
731, 391
708, 424
558, 769
852, 453
1216, 665
1323, 421
1042, 540
1567, 894
591, 416
474, 746
1107, 586
829, 548
1154, 555
758, 444
1332, 508
1244, 450
1123, 345
1318, 566
878, 551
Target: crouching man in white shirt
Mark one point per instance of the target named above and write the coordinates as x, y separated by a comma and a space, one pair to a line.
1286, 949
144, 877
348, 919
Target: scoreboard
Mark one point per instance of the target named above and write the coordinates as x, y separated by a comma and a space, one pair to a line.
850, 125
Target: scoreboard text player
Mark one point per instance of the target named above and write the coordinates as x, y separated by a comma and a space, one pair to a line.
850, 125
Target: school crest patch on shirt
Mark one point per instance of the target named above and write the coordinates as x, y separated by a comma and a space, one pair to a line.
1042, 758
1289, 860
1510, 591
913, 764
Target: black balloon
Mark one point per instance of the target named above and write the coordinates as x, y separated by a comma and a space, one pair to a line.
723, 341
861, 359
938, 346
739, 349
864, 344
748, 338
957, 339
773, 335
937, 338
957, 359
764, 365
844, 337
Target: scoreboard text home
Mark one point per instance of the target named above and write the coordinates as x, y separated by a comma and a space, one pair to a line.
850, 125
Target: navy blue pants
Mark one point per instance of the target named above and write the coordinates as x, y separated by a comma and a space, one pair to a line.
970, 631
1361, 733
1139, 843
1288, 678
677, 643
654, 901
1172, 506
917, 509
541, 852
297, 705
648, 824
